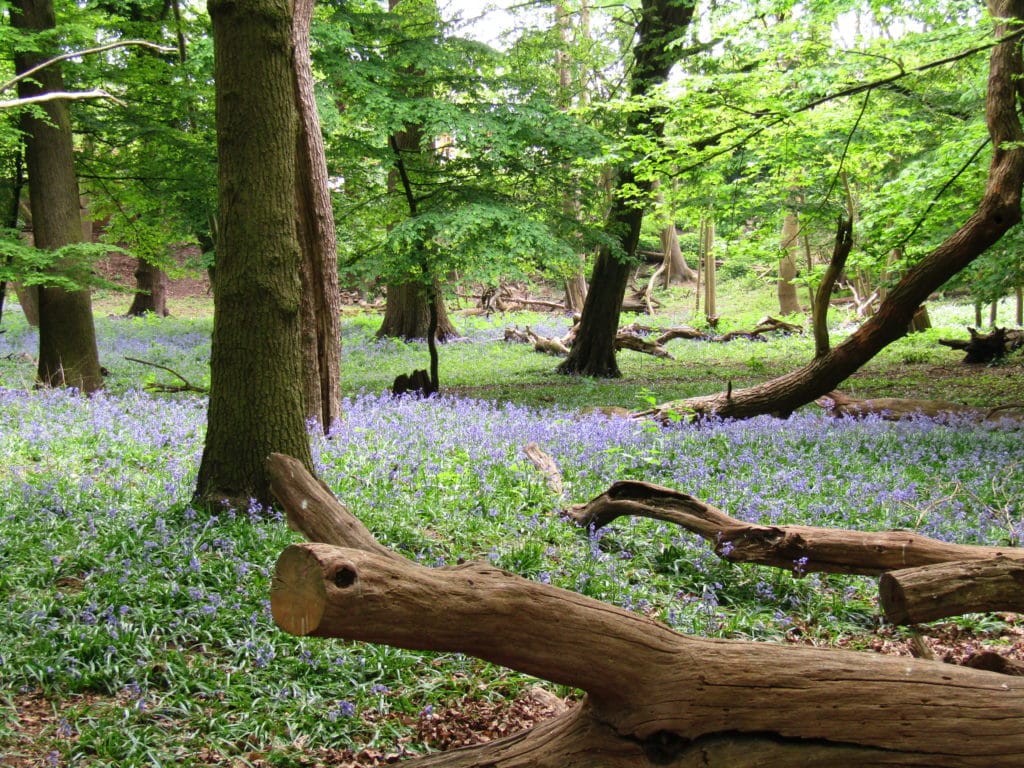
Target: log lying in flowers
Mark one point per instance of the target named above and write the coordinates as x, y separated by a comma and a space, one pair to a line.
801, 548
930, 592
897, 409
654, 697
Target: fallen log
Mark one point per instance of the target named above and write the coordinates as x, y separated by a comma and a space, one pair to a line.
799, 548
653, 696
837, 404
635, 343
986, 347
929, 592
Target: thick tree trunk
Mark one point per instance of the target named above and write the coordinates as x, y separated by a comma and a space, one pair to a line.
798, 548
654, 697
151, 291
321, 296
676, 268
999, 209
593, 353
67, 337
789, 302
256, 393
929, 592
28, 299
407, 314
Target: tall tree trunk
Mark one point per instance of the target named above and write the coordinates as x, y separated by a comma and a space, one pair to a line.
67, 337
999, 209
593, 351
321, 297
575, 284
407, 307
150, 291
13, 205
789, 304
256, 392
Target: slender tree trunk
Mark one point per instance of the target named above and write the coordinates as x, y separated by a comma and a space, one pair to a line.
576, 284
998, 210
1019, 292
256, 391
789, 303
593, 351
321, 297
17, 183
67, 338
150, 291
707, 238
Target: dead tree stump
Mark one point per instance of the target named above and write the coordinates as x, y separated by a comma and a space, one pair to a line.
653, 697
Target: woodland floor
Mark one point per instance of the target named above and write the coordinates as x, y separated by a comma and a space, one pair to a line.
473, 721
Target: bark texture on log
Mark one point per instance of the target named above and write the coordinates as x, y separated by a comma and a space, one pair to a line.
654, 697
800, 548
930, 592
898, 408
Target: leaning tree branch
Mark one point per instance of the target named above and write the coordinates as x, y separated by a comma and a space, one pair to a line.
799, 548
654, 697
998, 210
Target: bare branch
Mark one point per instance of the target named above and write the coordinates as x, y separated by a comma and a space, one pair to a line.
97, 93
72, 54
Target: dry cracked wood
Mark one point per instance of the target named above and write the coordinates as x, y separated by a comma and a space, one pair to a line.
802, 548
932, 592
654, 697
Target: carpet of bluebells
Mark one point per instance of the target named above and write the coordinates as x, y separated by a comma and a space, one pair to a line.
149, 621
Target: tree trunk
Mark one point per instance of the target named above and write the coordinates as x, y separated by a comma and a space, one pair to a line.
789, 303
150, 291
653, 696
593, 352
28, 298
256, 392
999, 209
707, 247
822, 299
929, 592
676, 268
67, 337
407, 313
321, 296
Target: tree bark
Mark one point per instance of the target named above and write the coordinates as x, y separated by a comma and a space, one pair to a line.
999, 209
407, 313
822, 298
150, 291
256, 390
929, 592
798, 548
653, 696
789, 302
67, 337
321, 296
593, 353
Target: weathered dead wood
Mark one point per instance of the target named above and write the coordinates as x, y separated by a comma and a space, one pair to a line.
926, 593
654, 697
635, 343
897, 409
547, 466
894, 408
986, 347
800, 548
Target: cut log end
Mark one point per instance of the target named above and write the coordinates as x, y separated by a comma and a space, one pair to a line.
298, 598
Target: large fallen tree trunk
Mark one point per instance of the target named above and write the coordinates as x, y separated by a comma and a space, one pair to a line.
898, 408
654, 697
800, 548
998, 210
